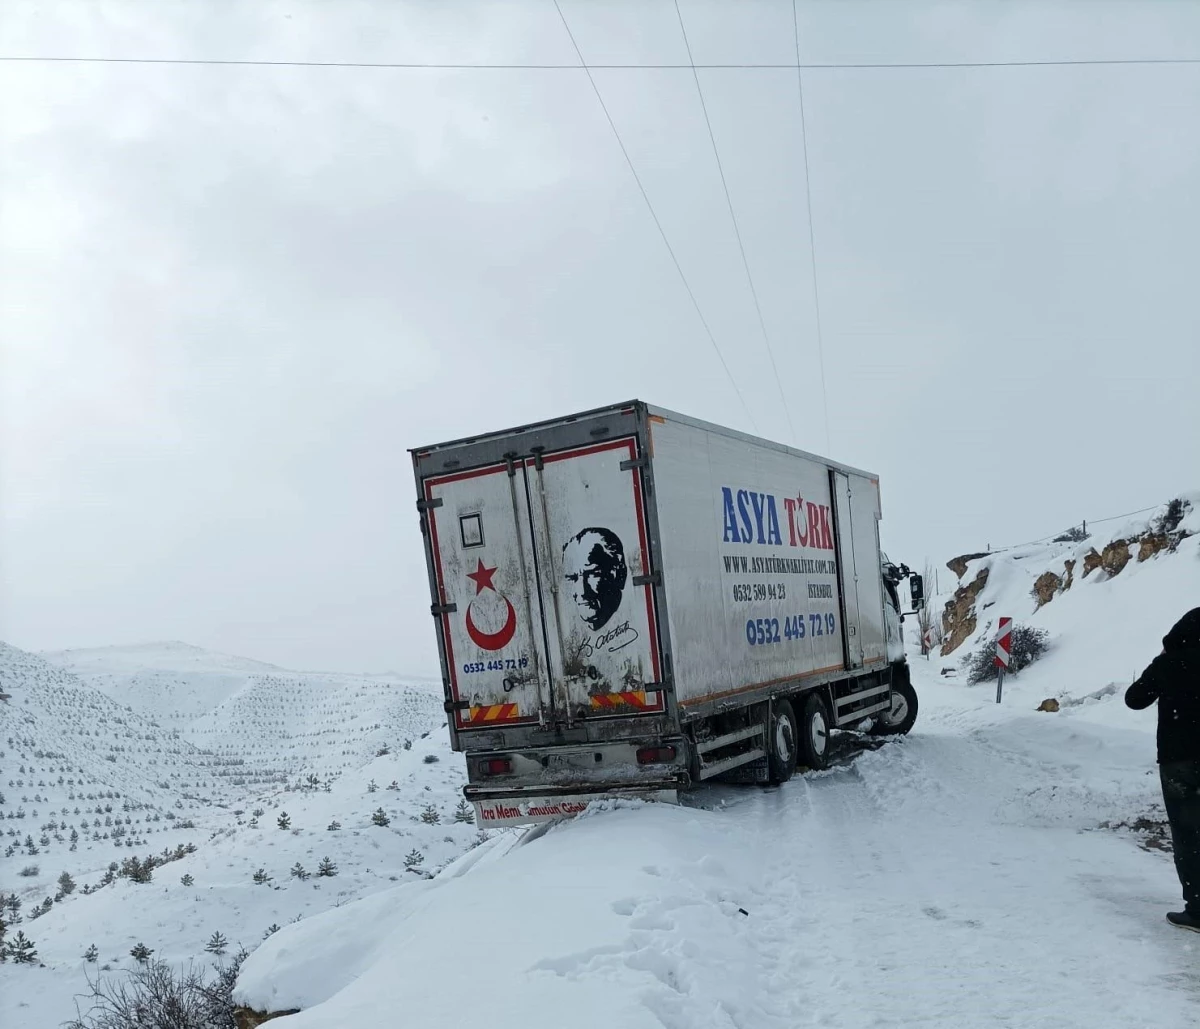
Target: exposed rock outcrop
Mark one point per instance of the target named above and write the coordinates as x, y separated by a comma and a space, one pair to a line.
1151, 544
1091, 561
958, 565
1047, 587
1115, 557
958, 617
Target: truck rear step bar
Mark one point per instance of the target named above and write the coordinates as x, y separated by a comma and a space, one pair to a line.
623, 788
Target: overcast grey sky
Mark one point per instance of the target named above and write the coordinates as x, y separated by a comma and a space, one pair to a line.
232, 297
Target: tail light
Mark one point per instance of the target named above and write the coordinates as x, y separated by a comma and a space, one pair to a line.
655, 755
495, 766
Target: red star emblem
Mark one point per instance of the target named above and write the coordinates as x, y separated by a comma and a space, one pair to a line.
482, 577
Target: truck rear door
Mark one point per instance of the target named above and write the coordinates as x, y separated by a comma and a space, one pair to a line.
546, 608
589, 525
485, 568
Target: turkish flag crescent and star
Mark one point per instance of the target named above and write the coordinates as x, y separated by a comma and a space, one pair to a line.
482, 577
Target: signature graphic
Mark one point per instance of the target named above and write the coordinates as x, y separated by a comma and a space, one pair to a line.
617, 638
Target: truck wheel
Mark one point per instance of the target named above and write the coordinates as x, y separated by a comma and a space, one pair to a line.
782, 748
814, 733
898, 719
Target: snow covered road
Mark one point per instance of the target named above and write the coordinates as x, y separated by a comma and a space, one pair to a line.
954, 878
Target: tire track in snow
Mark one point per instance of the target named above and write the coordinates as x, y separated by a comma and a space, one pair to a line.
892, 895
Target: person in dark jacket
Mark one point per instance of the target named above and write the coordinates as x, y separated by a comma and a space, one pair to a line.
1173, 679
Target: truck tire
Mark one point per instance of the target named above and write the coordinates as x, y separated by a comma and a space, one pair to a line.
899, 718
782, 742
814, 733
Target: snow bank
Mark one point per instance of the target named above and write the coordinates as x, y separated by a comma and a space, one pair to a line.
543, 932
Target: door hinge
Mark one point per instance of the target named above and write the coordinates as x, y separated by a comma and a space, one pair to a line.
450, 706
429, 505
634, 462
653, 579
442, 609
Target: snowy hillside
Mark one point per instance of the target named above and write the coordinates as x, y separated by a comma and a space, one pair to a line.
261, 722
974, 873
361, 768
1105, 602
170, 682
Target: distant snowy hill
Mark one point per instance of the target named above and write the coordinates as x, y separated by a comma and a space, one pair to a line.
169, 682
172, 750
273, 723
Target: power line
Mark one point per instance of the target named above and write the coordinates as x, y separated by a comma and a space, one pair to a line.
628, 66
1061, 532
653, 214
812, 239
762, 324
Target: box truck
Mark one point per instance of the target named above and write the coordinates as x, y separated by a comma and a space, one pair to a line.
629, 601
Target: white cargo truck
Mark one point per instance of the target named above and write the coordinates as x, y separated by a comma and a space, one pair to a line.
629, 601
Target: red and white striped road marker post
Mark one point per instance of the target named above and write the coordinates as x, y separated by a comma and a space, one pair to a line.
1003, 653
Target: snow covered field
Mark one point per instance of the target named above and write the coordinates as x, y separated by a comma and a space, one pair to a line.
962, 876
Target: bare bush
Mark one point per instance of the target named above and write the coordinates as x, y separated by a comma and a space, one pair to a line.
157, 996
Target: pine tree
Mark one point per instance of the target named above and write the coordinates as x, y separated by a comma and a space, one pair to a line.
3, 932
22, 950
372, 786
66, 884
334, 826
272, 929
217, 944
261, 878
187, 880
464, 812
141, 953
13, 903
429, 815
326, 868
91, 954
414, 858
284, 821
298, 872
379, 817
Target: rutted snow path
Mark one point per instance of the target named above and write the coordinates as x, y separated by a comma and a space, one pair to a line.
948, 879
902, 892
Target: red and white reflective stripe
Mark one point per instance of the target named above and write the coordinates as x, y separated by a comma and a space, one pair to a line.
1004, 643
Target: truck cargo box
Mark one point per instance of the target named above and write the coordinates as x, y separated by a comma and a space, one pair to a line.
617, 575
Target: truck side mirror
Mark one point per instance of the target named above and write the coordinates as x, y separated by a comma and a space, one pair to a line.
916, 589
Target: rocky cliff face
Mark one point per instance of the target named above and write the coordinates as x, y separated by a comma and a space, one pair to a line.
958, 617
1162, 534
